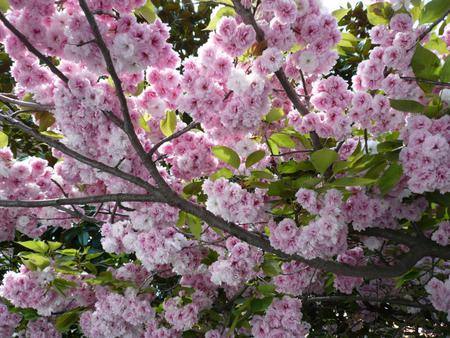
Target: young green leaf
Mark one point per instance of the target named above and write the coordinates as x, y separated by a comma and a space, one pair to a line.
148, 12
225, 11
3, 140
275, 114
323, 158
169, 124
227, 155
254, 158
36, 246
283, 140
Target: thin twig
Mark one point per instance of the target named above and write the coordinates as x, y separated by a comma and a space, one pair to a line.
417, 79
172, 137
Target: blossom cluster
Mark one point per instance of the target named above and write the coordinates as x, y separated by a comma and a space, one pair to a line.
238, 266
439, 294
32, 289
9, 321
117, 315
31, 178
282, 319
426, 157
232, 202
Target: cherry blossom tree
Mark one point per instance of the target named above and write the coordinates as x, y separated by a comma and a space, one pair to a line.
290, 178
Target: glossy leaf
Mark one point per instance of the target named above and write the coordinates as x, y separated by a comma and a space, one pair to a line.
227, 155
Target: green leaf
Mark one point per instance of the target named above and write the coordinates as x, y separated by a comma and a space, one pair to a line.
340, 13
262, 174
227, 155
36, 246
143, 119
408, 276
66, 320
210, 258
225, 11
4, 5
323, 158
46, 120
390, 178
437, 44
169, 124
433, 10
438, 198
224, 172
3, 140
260, 305
352, 182
283, 140
445, 71
388, 146
254, 158
266, 289
193, 188
407, 106
148, 12
52, 135
291, 167
33, 260
195, 225
275, 114
271, 267
54, 245
379, 13
425, 65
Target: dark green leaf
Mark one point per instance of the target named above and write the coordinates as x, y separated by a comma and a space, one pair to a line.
407, 106
433, 10
390, 178
66, 320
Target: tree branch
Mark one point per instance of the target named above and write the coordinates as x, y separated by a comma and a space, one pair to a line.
430, 28
395, 301
418, 79
33, 49
80, 200
72, 153
172, 137
249, 19
128, 124
32, 105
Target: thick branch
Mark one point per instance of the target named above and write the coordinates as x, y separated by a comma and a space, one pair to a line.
405, 263
72, 153
32, 105
249, 19
393, 301
79, 200
128, 124
32, 49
